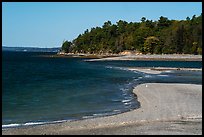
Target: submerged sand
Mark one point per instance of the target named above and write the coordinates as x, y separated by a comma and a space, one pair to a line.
165, 109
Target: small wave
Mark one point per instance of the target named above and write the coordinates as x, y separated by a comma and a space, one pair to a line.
32, 123
127, 103
26, 124
128, 100
124, 89
97, 115
106, 114
124, 94
103, 114
116, 110
147, 76
109, 67
86, 117
121, 68
115, 100
163, 75
10, 125
168, 71
118, 68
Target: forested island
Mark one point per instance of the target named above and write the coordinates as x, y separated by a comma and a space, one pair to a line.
146, 37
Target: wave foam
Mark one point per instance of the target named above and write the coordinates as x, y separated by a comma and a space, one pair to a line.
163, 75
147, 76
10, 125
32, 123
118, 68
85, 117
128, 100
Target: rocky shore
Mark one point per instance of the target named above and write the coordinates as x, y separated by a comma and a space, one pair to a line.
108, 57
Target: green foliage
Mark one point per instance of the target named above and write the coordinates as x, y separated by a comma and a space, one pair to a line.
162, 36
199, 50
66, 46
195, 48
163, 22
150, 44
143, 19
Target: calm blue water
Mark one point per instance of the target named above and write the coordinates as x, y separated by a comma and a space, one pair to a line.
38, 90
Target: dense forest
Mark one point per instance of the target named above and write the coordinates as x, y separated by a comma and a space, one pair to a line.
147, 37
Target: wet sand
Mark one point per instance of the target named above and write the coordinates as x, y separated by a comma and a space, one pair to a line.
165, 109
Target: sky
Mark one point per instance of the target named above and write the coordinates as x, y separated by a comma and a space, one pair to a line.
48, 24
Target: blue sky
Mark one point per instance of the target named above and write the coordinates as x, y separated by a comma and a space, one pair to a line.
47, 24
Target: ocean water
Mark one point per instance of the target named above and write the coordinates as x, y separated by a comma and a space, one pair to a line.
40, 90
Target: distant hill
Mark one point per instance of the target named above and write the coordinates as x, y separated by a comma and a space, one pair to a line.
30, 49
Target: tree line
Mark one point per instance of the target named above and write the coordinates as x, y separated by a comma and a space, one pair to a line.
148, 37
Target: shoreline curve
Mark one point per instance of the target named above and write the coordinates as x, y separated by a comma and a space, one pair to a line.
160, 102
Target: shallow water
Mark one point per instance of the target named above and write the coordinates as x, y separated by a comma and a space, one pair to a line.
38, 90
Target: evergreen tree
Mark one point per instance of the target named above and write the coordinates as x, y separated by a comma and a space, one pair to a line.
162, 36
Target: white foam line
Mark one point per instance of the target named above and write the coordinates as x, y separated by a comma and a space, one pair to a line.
127, 103
126, 100
10, 125
147, 76
116, 110
32, 123
164, 75
88, 117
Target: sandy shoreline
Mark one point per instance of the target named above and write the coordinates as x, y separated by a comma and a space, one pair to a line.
163, 106
165, 57
106, 57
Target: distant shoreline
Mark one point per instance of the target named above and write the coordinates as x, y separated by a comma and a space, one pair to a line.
143, 57
165, 57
